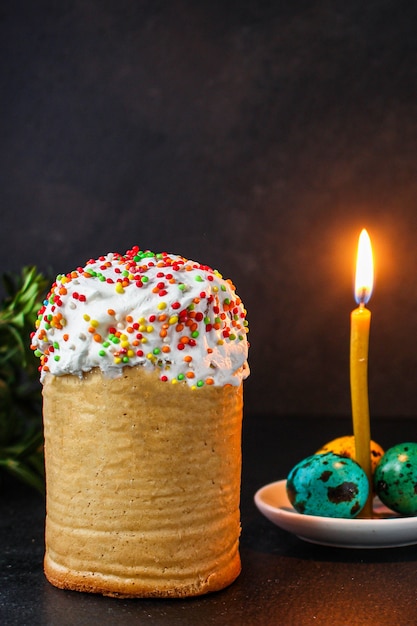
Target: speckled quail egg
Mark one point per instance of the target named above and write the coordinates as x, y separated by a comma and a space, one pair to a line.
329, 485
395, 479
345, 446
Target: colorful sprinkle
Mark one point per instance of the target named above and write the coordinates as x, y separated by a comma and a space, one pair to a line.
164, 302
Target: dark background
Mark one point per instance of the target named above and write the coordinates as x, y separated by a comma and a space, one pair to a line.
257, 137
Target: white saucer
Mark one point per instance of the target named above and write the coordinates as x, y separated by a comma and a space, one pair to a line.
385, 530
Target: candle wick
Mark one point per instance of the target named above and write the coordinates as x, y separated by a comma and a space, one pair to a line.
362, 297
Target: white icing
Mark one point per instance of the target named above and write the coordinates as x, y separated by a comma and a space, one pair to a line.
99, 321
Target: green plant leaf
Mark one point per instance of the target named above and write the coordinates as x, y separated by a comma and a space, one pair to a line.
21, 451
23, 472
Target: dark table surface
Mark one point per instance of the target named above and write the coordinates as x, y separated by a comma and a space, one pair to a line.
284, 580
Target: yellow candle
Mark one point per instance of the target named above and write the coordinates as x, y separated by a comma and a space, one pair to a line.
359, 346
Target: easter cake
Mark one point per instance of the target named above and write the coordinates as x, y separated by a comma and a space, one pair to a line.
142, 360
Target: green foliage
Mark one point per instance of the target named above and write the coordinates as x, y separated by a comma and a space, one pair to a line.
21, 439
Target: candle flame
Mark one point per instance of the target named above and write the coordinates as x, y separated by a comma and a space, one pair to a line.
364, 280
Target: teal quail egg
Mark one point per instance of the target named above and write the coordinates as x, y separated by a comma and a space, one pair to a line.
329, 485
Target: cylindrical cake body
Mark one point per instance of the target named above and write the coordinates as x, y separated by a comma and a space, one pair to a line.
143, 484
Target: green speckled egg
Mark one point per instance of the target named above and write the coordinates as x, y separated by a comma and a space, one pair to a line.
329, 485
395, 478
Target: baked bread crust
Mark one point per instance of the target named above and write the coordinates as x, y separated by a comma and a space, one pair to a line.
143, 485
